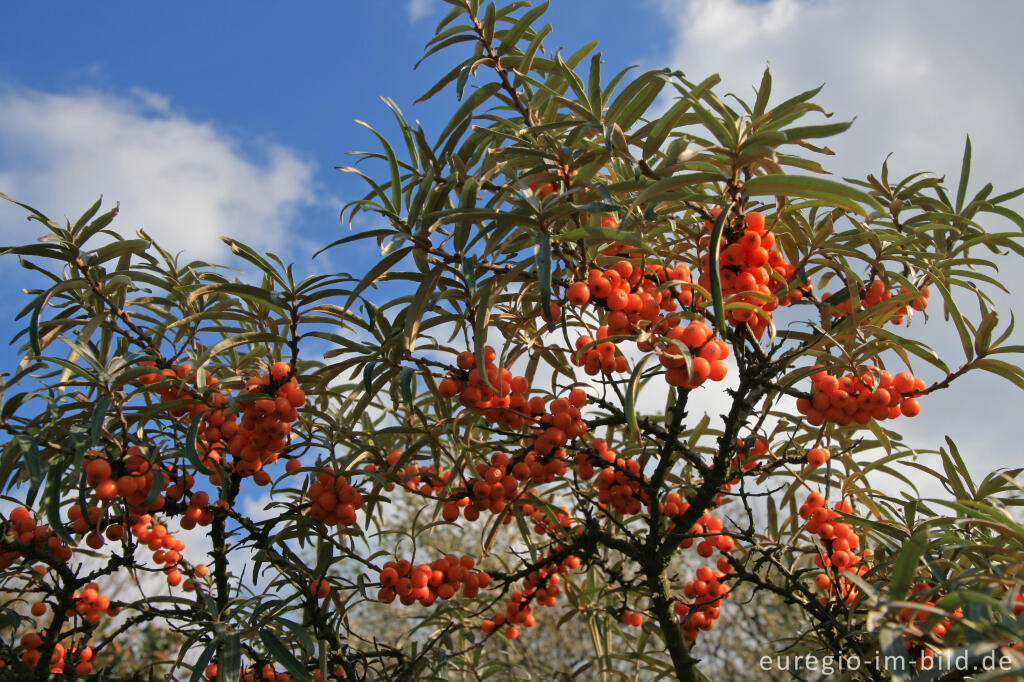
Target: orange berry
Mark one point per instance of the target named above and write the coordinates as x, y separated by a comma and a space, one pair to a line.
578, 293
817, 456
280, 370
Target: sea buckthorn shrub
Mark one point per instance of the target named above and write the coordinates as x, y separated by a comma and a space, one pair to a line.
646, 364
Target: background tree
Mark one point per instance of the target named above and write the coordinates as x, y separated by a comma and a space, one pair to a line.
615, 367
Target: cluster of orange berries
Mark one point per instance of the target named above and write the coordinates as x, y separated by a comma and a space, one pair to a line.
131, 479
421, 477
847, 399
840, 542
165, 547
705, 593
545, 525
632, 298
875, 293
910, 616
265, 423
339, 672
171, 391
708, 528
600, 357
23, 526
747, 459
540, 587
253, 437
747, 262
708, 355
498, 396
197, 512
59, 659
543, 189
334, 501
90, 604
632, 618
426, 583
634, 295
630, 293
618, 484
561, 422
494, 486
255, 673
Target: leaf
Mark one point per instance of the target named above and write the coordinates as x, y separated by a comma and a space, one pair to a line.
418, 306
763, 93
246, 292
714, 272
41, 301
30, 450
159, 479
965, 175
906, 563
405, 378
460, 84
230, 659
466, 108
1006, 370
368, 377
190, 445
542, 257
835, 193
511, 36
204, 660
632, 391
281, 654
983, 338
53, 502
99, 413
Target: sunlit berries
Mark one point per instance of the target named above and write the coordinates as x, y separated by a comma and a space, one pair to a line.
848, 399
334, 501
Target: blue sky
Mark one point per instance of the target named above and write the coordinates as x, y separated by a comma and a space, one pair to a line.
263, 74
229, 118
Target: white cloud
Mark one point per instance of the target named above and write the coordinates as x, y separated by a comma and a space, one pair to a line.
903, 69
919, 76
420, 8
185, 182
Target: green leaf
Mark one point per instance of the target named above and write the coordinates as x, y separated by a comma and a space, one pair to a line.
542, 257
230, 659
835, 193
405, 378
906, 563
368, 377
511, 36
190, 445
632, 392
53, 501
418, 306
159, 479
396, 181
808, 132
204, 660
1010, 372
30, 450
763, 93
965, 175
41, 301
283, 655
714, 272
466, 109
99, 413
